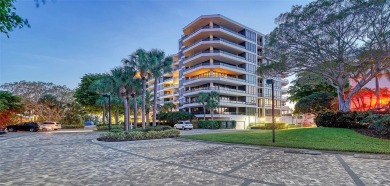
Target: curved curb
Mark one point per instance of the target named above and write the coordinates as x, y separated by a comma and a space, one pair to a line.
297, 150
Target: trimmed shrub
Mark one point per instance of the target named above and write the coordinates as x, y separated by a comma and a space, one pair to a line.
72, 126
381, 124
139, 135
209, 124
342, 119
103, 127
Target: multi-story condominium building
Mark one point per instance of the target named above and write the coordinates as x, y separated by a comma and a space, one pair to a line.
219, 54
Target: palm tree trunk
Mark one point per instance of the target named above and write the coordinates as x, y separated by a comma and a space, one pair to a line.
147, 118
135, 111
211, 112
104, 114
204, 112
377, 92
126, 110
117, 114
143, 101
155, 101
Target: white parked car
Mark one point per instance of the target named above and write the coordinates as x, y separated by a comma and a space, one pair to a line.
46, 128
54, 125
184, 125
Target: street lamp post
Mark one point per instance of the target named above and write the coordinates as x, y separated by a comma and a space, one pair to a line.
271, 81
109, 111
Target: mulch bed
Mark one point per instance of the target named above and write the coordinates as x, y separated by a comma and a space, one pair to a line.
373, 133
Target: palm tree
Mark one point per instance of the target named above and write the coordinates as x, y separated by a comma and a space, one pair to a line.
202, 99
148, 104
102, 86
140, 61
117, 102
123, 81
161, 65
212, 102
385, 73
169, 106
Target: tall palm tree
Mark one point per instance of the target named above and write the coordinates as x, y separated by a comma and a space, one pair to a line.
122, 77
102, 86
161, 65
202, 99
212, 102
140, 61
117, 101
148, 104
385, 73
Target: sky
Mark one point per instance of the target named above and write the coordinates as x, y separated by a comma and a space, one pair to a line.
69, 38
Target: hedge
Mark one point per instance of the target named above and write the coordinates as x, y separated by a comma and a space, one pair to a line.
72, 126
342, 119
118, 128
139, 135
209, 124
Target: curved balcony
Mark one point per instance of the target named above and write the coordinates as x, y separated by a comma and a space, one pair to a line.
227, 103
218, 79
236, 70
220, 90
214, 28
216, 43
219, 55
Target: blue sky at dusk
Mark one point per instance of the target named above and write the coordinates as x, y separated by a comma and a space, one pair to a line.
68, 39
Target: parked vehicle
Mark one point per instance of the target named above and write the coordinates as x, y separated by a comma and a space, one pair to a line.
184, 125
52, 124
26, 126
3, 130
46, 128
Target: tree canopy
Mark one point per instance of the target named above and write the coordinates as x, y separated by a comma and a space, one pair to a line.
339, 40
314, 103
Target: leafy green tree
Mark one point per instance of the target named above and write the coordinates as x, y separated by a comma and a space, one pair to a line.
202, 99
306, 84
337, 40
174, 117
9, 20
161, 65
314, 103
9, 105
73, 115
212, 102
84, 95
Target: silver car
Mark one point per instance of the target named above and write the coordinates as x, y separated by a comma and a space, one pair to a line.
51, 124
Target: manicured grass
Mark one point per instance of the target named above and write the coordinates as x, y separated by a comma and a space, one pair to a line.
335, 139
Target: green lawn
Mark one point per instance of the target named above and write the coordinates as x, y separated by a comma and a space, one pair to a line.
309, 138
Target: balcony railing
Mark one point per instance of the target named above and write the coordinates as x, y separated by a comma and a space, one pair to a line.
221, 113
215, 63
213, 76
215, 52
215, 88
211, 27
226, 101
169, 79
215, 39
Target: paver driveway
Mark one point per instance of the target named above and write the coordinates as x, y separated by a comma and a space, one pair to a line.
78, 159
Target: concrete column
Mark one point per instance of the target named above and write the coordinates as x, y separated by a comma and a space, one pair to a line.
211, 24
211, 61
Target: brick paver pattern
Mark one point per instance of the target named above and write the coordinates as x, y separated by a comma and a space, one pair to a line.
78, 159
